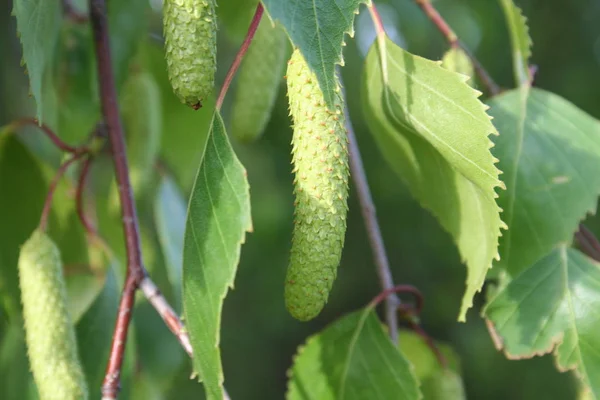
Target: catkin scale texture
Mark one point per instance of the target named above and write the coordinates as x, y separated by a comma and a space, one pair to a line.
320, 157
258, 82
190, 30
49, 332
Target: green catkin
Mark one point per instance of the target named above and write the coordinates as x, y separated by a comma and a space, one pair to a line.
49, 332
320, 157
258, 82
190, 30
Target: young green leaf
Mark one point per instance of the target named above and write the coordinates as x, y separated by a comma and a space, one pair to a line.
433, 131
258, 82
190, 29
456, 60
437, 382
552, 307
318, 28
352, 359
320, 157
520, 40
49, 332
550, 154
217, 222
38, 25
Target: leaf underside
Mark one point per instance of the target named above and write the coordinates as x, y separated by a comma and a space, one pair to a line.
433, 131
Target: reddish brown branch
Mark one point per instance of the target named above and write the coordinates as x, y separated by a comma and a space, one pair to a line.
453, 40
438, 21
48, 132
52, 188
135, 268
400, 289
240, 55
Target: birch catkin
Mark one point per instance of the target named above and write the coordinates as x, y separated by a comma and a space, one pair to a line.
190, 30
320, 157
49, 332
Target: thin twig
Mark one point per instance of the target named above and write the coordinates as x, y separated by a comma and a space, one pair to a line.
374, 232
167, 313
357, 172
52, 188
385, 294
410, 314
135, 268
438, 21
454, 41
48, 132
240, 55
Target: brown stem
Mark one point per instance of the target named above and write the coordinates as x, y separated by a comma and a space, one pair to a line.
401, 289
52, 188
48, 132
438, 21
240, 55
135, 268
373, 231
453, 40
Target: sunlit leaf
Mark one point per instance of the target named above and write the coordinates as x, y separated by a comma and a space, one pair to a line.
353, 358
552, 307
217, 222
437, 382
433, 131
549, 151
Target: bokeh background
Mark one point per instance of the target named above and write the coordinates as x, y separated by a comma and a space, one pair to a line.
259, 338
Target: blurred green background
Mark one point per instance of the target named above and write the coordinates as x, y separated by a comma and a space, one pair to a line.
259, 338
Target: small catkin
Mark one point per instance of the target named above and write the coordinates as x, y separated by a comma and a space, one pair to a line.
258, 82
49, 332
320, 157
190, 30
